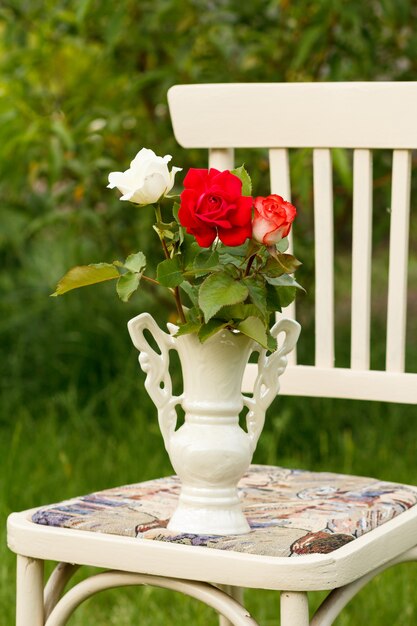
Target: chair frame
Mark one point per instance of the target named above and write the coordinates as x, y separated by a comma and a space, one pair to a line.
319, 116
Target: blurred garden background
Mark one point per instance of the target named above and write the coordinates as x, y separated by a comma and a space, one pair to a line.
82, 88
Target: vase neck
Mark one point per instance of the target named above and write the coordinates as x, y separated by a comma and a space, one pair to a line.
213, 374
194, 417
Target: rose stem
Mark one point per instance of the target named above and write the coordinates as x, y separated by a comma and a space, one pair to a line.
150, 280
179, 305
176, 291
249, 265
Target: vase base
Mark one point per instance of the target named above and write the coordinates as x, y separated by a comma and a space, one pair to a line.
209, 520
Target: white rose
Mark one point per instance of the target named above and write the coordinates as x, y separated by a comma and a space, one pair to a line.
147, 179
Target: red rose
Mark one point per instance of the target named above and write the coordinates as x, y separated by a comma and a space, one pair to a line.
272, 219
212, 205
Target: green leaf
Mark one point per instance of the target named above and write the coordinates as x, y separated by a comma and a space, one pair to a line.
194, 315
279, 296
180, 235
242, 174
127, 284
280, 264
175, 210
168, 273
257, 293
219, 290
290, 262
237, 251
284, 281
166, 231
190, 290
205, 262
84, 275
232, 270
272, 342
272, 269
206, 259
273, 301
229, 259
282, 246
135, 262
254, 328
239, 312
286, 295
189, 250
186, 329
211, 328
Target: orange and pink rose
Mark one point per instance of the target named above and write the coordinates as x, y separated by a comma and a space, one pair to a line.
272, 219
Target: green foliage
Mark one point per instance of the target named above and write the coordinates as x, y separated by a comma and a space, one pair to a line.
257, 293
211, 328
128, 274
206, 260
227, 285
83, 275
135, 262
83, 86
127, 285
220, 289
280, 264
169, 273
242, 174
255, 329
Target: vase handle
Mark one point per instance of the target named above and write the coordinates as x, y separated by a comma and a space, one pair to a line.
266, 385
158, 381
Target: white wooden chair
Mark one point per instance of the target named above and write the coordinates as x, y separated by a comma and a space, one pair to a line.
358, 116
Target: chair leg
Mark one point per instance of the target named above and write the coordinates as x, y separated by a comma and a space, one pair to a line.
294, 608
29, 592
237, 594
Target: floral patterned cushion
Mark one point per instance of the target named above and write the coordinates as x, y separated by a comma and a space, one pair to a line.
290, 512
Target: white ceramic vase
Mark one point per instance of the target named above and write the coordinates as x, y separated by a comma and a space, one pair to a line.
210, 452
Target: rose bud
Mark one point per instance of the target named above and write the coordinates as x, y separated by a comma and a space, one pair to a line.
272, 219
212, 206
147, 180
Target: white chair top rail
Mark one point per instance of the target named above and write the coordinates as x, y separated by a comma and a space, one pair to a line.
295, 115
356, 115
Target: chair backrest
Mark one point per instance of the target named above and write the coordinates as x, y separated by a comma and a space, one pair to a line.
322, 116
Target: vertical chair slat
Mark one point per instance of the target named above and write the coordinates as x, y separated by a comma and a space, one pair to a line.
398, 260
361, 259
280, 172
279, 165
280, 178
221, 158
323, 234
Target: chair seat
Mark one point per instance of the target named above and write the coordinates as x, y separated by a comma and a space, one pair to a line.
298, 518
290, 512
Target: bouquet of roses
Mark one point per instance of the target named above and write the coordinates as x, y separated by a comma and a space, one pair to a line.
224, 252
